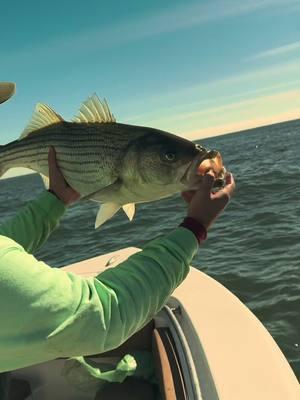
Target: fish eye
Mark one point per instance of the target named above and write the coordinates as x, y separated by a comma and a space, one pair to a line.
169, 156
199, 147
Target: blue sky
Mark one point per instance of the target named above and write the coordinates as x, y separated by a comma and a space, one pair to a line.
194, 68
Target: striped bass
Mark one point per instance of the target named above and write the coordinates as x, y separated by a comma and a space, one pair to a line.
115, 164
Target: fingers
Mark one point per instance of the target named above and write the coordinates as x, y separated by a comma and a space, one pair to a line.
226, 193
208, 179
207, 183
55, 175
51, 156
52, 161
57, 183
54, 170
205, 187
229, 178
230, 185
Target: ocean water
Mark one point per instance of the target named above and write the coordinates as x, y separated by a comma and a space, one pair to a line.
253, 249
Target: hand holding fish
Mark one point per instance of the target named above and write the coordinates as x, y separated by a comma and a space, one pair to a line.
205, 206
57, 182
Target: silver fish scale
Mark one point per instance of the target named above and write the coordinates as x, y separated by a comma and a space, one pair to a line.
87, 154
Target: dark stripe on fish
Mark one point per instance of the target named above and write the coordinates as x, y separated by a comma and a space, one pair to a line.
22, 150
83, 180
101, 140
68, 138
71, 133
62, 166
33, 160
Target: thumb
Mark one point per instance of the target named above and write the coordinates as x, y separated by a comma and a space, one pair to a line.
54, 171
52, 161
51, 157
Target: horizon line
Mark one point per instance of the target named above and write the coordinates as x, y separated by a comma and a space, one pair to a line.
31, 172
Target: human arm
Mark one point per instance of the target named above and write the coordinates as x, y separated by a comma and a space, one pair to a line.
32, 225
51, 313
154, 273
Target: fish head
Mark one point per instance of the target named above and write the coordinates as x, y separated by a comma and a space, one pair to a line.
158, 158
161, 164
207, 160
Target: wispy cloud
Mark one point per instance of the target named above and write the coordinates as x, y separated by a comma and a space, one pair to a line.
236, 126
277, 51
252, 75
179, 112
262, 110
197, 13
176, 18
283, 73
230, 116
238, 105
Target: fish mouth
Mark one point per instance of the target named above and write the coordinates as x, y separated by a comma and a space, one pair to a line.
212, 161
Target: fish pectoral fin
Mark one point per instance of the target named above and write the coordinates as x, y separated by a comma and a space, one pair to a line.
42, 116
106, 211
129, 210
100, 194
94, 110
45, 181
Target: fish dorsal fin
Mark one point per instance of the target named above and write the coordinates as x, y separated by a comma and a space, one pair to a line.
94, 110
106, 211
129, 210
42, 116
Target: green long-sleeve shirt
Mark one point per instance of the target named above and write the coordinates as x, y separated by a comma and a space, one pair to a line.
47, 313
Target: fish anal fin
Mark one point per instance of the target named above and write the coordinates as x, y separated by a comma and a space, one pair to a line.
129, 210
94, 110
42, 116
106, 211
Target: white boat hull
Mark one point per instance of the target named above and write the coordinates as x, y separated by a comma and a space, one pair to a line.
224, 350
